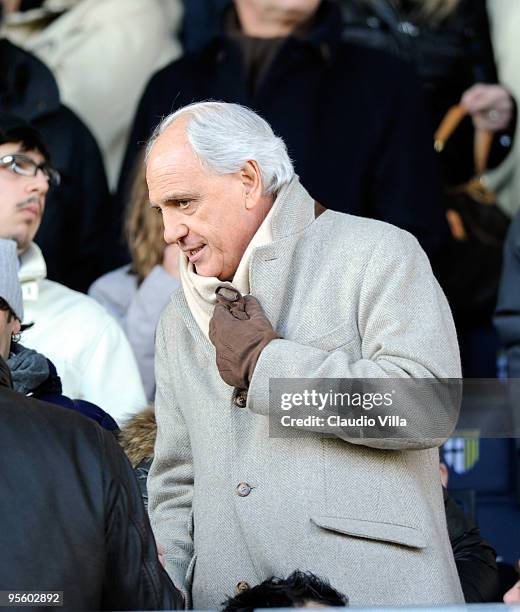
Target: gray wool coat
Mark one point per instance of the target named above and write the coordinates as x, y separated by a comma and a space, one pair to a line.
350, 297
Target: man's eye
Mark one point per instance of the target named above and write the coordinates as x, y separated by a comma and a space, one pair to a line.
23, 166
183, 204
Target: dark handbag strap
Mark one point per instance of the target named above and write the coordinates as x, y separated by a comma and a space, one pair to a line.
482, 140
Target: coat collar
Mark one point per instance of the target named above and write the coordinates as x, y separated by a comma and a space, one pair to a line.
271, 265
27, 87
32, 265
293, 210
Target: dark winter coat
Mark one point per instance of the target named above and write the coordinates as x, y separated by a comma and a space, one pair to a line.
474, 557
448, 57
72, 233
66, 482
201, 22
353, 120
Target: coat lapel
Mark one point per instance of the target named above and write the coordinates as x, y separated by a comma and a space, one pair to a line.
272, 266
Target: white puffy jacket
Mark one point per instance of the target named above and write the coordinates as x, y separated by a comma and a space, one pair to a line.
88, 348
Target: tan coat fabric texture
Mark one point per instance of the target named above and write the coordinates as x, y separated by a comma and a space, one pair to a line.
102, 53
350, 297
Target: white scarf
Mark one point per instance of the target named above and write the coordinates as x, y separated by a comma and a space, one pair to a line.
200, 290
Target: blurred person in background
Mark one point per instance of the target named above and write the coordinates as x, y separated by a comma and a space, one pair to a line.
286, 60
101, 53
88, 347
504, 19
448, 44
72, 235
31, 372
201, 22
72, 516
136, 294
507, 315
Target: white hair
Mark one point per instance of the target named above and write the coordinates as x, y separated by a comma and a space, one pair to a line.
225, 136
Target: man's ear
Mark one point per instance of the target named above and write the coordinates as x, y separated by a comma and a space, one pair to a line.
252, 183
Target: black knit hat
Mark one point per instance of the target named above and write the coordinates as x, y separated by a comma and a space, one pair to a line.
15, 129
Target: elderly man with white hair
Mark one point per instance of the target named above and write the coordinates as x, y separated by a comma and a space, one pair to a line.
319, 294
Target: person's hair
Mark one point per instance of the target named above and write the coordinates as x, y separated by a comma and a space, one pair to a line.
293, 592
225, 136
431, 12
4, 306
29, 139
143, 228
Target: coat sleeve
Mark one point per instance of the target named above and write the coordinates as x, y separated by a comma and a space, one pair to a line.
170, 482
133, 577
406, 331
507, 315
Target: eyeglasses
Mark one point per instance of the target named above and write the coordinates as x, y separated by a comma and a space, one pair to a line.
25, 166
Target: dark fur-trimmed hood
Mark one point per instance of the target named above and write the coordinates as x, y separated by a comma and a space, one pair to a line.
137, 437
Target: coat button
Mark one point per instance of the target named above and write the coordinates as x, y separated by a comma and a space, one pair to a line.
241, 587
241, 399
243, 489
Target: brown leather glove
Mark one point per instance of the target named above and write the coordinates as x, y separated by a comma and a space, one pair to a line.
240, 331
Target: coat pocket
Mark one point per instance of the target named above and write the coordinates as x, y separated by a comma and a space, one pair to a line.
372, 530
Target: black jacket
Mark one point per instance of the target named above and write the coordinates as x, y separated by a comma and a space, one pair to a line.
72, 516
72, 233
474, 557
353, 120
448, 57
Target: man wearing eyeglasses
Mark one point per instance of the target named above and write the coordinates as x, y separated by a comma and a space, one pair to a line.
74, 235
90, 351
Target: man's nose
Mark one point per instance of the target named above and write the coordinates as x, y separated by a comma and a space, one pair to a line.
38, 183
174, 227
